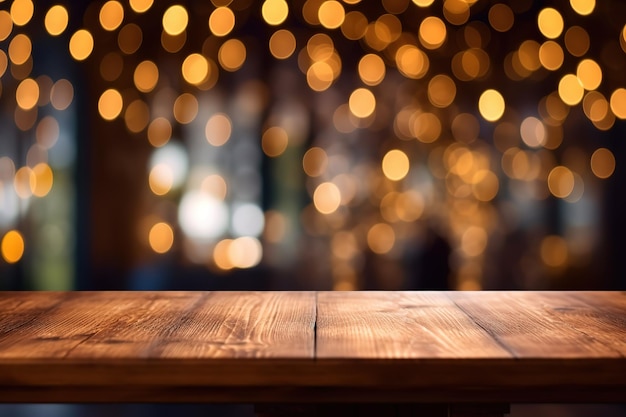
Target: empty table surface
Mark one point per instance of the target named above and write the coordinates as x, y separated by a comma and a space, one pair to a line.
313, 346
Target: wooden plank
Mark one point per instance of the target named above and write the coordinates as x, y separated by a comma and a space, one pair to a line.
170, 325
134, 334
393, 325
18, 308
156, 339
256, 347
66, 324
245, 325
514, 319
600, 315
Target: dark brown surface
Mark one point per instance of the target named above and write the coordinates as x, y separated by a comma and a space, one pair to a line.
313, 347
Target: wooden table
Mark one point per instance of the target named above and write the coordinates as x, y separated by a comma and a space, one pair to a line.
452, 352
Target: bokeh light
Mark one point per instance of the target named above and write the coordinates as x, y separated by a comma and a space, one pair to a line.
491, 105
218, 129
110, 104
146, 76
12, 246
275, 11
81, 44
603, 163
161, 237
111, 15
137, 116
395, 165
175, 20
22, 11
222, 21
371, 134
327, 198
57, 19
550, 23
195, 69
362, 102
282, 44
141, 6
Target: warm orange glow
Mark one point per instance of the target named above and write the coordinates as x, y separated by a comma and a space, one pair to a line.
331, 14
491, 105
571, 90
27, 94
589, 74
137, 116
603, 163
44, 179
111, 15
195, 69
141, 6
554, 251
381, 238
110, 104
12, 246
282, 44
6, 25
22, 11
185, 108
432, 32
315, 162
561, 182
362, 103
130, 38
274, 11
501, 17
550, 23
274, 141
20, 49
222, 21
551, 55
577, 41
146, 76
159, 132
441, 91
372, 69
232, 54
327, 198
583, 7
395, 165
411, 61
161, 237
56, 20
175, 20
81, 45
474, 241
618, 103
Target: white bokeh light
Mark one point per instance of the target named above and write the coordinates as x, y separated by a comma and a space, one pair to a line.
173, 155
248, 220
202, 216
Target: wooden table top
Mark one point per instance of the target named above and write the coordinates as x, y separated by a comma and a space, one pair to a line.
313, 346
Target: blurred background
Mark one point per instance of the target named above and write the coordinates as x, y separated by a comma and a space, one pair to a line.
312, 144
400, 144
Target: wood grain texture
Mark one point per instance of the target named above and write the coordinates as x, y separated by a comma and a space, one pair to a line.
210, 325
394, 325
312, 347
161, 325
521, 322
